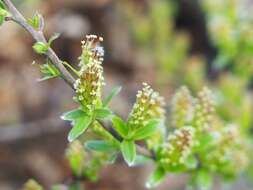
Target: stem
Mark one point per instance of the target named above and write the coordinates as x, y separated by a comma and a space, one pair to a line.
38, 36
68, 78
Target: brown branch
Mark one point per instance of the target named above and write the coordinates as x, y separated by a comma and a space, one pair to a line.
38, 36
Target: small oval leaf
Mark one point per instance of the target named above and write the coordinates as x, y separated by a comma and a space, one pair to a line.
100, 146
80, 125
102, 113
2, 5
156, 178
191, 162
204, 179
147, 130
115, 91
128, 150
73, 115
40, 47
54, 37
120, 126
141, 160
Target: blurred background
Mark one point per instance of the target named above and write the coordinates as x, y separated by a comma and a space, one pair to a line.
167, 43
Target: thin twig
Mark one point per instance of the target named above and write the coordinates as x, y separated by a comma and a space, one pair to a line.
38, 36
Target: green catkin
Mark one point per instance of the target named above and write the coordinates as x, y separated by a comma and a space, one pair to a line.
89, 85
177, 148
229, 155
91, 50
181, 108
76, 156
149, 105
204, 110
83, 162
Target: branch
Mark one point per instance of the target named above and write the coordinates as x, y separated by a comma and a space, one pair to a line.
38, 36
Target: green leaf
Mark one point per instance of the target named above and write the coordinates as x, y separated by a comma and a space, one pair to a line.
36, 21
46, 78
128, 150
3, 14
147, 130
206, 141
40, 47
49, 71
102, 113
80, 125
204, 180
100, 146
156, 178
141, 160
73, 115
120, 126
52, 69
112, 159
191, 162
2, 5
52, 38
1, 20
115, 91
71, 68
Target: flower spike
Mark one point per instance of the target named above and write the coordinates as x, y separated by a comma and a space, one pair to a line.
149, 105
177, 148
88, 86
92, 50
204, 110
182, 107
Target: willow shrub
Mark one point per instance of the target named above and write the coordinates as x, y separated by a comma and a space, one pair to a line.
193, 140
